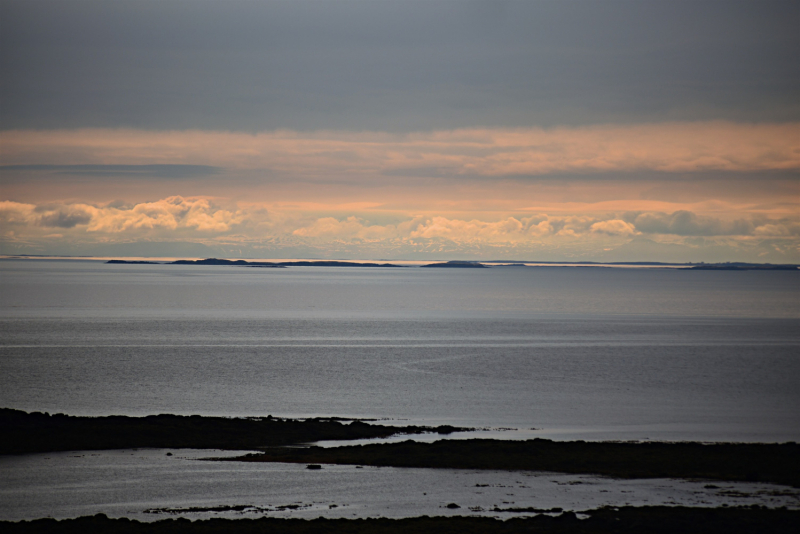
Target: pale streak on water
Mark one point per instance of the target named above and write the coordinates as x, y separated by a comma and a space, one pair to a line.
574, 353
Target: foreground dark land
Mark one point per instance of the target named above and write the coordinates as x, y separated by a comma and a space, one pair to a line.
22, 432
777, 463
622, 520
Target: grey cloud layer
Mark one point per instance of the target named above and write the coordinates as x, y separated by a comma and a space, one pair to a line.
686, 223
394, 66
126, 171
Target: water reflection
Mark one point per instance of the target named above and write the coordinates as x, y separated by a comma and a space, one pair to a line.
150, 484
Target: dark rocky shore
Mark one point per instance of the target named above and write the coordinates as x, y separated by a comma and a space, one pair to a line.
778, 463
752, 462
749, 462
22, 432
638, 520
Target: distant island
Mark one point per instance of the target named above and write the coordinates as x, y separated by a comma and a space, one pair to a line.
267, 264
138, 262
458, 265
461, 264
743, 267
215, 261
726, 266
332, 264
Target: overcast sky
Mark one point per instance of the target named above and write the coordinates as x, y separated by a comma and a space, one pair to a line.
608, 130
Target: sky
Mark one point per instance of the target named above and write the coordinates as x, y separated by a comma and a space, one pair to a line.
594, 130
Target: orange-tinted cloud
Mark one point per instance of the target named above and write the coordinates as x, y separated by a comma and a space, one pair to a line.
667, 147
204, 217
255, 228
166, 215
614, 227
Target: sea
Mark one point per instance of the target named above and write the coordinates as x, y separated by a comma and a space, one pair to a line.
592, 353
557, 352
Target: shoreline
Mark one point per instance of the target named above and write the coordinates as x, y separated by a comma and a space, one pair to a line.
278, 441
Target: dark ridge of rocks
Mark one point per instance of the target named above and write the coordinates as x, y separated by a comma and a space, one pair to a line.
23, 432
625, 520
747, 462
205, 509
239, 508
529, 510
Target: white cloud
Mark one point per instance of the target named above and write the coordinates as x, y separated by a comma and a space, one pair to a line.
350, 228
614, 227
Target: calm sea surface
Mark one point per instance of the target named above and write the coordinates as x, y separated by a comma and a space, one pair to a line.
565, 353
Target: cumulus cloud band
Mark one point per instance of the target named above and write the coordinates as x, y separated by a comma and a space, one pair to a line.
165, 215
263, 231
204, 217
